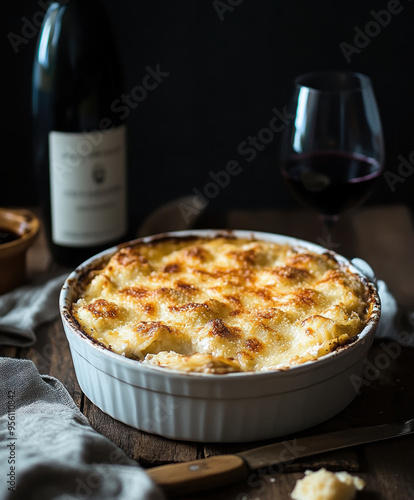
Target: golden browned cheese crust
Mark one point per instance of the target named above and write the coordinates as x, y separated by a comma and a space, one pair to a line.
222, 305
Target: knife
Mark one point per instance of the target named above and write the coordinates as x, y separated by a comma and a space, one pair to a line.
217, 471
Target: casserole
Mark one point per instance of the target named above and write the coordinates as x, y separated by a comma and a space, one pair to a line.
233, 407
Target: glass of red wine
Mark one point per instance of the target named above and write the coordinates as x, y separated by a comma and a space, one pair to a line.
332, 150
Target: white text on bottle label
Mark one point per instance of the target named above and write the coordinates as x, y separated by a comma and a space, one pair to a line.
87, 183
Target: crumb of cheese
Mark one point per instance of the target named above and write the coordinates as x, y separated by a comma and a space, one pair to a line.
326, 485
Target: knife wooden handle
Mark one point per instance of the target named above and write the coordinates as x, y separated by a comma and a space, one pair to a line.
197, 475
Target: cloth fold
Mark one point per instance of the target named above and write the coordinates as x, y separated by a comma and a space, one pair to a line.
48, 451
22, 310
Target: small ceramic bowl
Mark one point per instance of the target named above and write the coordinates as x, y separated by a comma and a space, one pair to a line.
25, 225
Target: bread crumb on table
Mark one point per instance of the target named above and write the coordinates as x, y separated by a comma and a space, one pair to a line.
326, 485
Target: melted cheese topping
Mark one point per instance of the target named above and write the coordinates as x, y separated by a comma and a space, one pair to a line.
222, 304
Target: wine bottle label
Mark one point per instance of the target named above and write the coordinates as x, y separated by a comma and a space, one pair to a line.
87, 184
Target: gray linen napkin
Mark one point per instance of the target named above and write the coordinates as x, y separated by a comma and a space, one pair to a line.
48, 451
27, 307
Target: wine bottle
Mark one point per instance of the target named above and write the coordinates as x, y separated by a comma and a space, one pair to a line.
79, 141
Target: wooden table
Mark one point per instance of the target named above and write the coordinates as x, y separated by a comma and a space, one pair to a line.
384, 237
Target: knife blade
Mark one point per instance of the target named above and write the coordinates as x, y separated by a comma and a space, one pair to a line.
217, 471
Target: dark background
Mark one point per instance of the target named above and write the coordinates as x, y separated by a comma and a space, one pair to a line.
225, 76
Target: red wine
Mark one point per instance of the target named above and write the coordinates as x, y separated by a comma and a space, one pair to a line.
331, 181
79, 141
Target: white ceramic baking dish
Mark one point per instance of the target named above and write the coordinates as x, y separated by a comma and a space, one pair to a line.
233, 407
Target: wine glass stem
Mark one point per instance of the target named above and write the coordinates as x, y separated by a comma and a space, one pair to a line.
328, 224
329, 221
